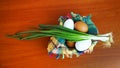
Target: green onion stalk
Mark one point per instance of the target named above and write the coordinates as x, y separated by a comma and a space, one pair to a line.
62, 32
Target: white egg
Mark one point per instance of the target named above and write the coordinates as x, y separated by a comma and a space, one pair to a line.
69, 24
83, 45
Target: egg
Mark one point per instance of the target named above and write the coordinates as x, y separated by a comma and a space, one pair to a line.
83, 45
70, 43
81, 26
69, 23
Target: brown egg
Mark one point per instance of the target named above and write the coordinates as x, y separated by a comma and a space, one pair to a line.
70, 43
81, 26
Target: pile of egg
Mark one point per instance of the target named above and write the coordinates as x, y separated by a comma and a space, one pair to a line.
79, 26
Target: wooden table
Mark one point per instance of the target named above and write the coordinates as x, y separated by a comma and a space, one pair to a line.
20, 15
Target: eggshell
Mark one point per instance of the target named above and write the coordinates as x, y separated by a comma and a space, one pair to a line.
83, 45
70, 43
69, 24
81, 26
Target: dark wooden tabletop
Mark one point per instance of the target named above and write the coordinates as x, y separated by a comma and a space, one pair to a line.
20, 15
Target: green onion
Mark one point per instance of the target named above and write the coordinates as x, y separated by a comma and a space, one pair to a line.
61, 32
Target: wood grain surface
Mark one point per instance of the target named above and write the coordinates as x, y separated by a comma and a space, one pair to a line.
20, 15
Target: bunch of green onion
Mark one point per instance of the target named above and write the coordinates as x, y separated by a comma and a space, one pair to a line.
61, 32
